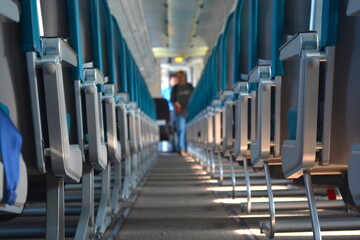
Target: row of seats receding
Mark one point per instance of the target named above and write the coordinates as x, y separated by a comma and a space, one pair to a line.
76, 120
284, 110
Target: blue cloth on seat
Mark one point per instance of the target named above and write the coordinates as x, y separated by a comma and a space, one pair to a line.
10, 146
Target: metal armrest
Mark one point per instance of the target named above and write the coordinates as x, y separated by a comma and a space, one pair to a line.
132, 107
139, 135
97, 147
66, 159
114, 146
241, 120
300, 42
299, 154
147, 131
217, 123
210, 125
123, 122
203, 129
260, 146
227, 97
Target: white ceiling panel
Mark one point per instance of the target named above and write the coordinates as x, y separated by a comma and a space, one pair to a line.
170, 28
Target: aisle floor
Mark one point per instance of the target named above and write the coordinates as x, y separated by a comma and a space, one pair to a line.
180, 201
175, 204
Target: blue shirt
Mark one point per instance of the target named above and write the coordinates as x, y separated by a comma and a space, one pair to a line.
166, 93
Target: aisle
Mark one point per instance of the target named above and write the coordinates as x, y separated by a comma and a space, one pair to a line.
174, 204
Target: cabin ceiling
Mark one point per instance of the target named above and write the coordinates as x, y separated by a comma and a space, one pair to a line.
159, 29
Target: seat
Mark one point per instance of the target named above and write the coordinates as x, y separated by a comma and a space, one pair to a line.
51, 153
52, 140
13, 172
349, 139
316, 105
70, 93
166, 129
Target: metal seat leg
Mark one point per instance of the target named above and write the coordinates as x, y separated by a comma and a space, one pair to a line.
269, 231
212, 162
221, 170
127, 178
86, 228
233, 178
103, 216
248, 186
117, 191
312, 206
55, 215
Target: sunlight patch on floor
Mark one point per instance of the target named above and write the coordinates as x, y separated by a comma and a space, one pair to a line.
265, 199
243, 188
257, 232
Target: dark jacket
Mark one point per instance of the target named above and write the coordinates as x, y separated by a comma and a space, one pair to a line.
181, 94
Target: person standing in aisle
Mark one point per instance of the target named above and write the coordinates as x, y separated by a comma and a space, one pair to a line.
166, 93
180, 96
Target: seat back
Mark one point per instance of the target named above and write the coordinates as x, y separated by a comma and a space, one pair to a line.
244, 38
163, 113
353, 9
345, 112
265, 15
162, 109
13, 124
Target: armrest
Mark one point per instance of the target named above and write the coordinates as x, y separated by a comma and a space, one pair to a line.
114, 147
227, 98
66, 159
260, 72
299, 154
97, 147
138, 123
298, 43
61, 49
123, 129
227, 127
132, 107
260, 146
217, 122
241, 120
210, 127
